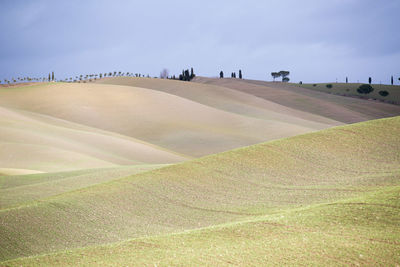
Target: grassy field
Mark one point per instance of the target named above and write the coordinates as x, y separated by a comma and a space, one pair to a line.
359, 232
15, 190
350, 89
325, 197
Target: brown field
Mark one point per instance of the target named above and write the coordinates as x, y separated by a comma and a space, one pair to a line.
339, 108
65, 126
43, 143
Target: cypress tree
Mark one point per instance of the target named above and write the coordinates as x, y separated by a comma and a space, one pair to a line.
221, 74
240, 74
191, 73
369, 80
391, 80
49, 77
347, 80
187, 75
52, 76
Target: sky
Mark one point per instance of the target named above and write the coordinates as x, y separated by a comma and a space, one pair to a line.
317, 41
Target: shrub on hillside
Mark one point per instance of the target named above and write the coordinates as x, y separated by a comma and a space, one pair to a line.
365, 89
314, 84
329, 86
384, 93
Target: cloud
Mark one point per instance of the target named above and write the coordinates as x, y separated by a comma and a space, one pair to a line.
317, 40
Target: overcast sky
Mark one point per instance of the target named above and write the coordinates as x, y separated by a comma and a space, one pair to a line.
317, 41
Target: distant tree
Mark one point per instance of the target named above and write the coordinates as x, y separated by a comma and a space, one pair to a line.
369, 80
365, 89
52, 76
286, 79
391, 80
191, 73
164, 74
49, 77
300, 82
180, 77
221, 75
101, 75
234, 74
347, 80
240, 74
187, 75
329, 86
275, 75
284, 74
384, 93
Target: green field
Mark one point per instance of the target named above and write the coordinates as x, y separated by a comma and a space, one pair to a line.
359, 232
329, 197
19, 189
350, 89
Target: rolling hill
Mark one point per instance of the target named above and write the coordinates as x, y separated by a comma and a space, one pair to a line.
145, 125
294, 190
50, 127
336, 107
32, 142
350, 89
229, 100
360, 231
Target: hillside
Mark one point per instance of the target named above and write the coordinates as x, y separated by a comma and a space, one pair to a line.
226, 99
335, 107
50, 127
361, 232
16, 190
350, 89
173, 124
32, 142
353, 161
